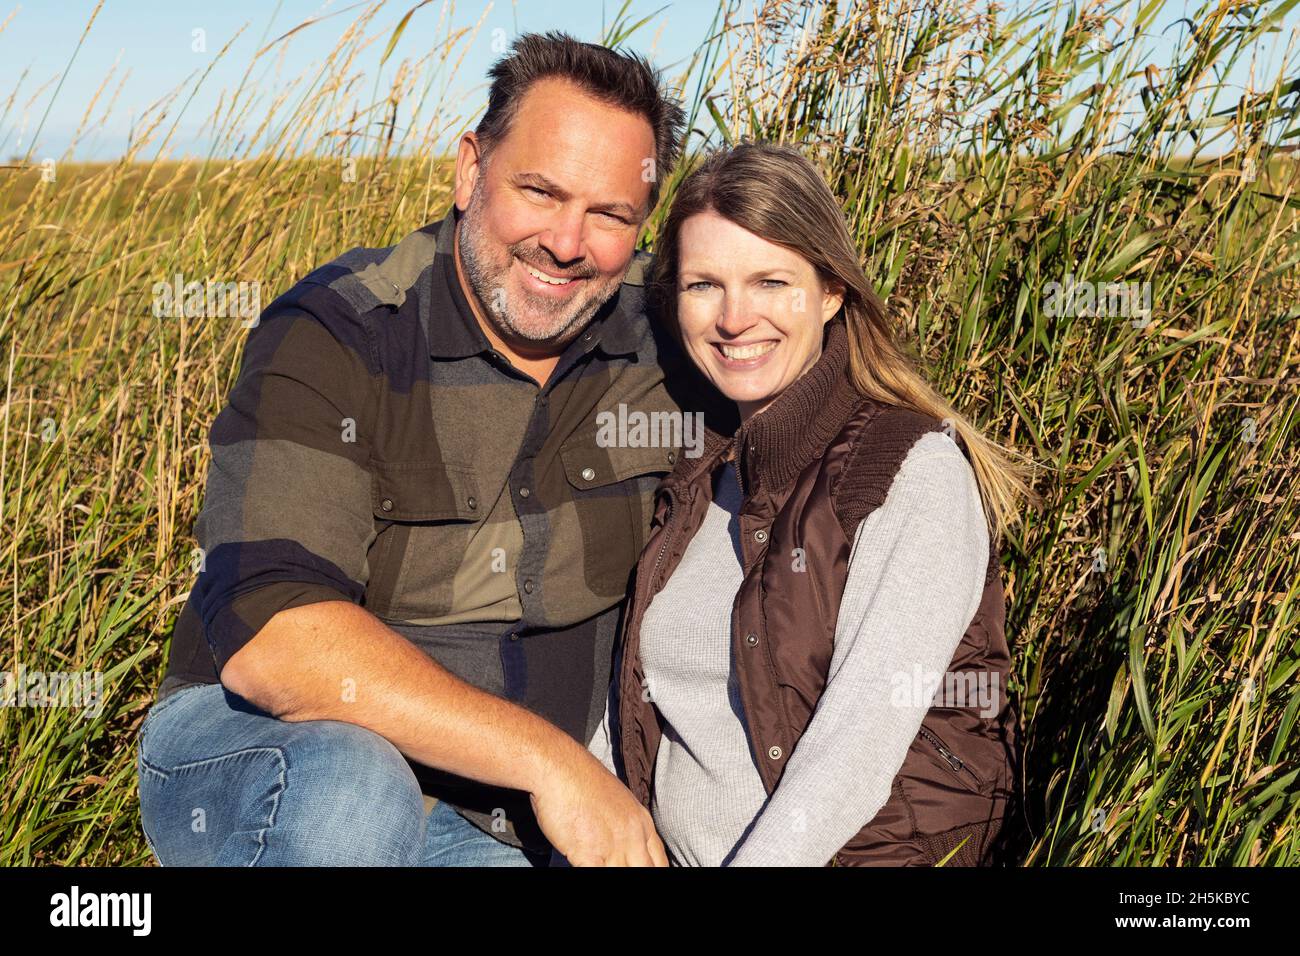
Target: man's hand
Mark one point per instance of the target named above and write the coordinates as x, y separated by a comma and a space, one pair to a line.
593, 820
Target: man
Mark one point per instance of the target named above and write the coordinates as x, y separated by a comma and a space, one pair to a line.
414, 545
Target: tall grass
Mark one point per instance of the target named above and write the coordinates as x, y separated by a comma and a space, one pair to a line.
980, 156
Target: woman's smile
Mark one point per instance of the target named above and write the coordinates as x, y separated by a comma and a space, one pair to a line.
743, 357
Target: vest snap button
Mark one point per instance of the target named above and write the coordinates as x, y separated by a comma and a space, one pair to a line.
760, 535
386, 504
774, 752
751, 639
588, 474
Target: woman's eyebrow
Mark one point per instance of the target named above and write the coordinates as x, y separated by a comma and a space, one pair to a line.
757, 274
695, 274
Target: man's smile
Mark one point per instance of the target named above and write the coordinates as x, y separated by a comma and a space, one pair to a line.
547, 283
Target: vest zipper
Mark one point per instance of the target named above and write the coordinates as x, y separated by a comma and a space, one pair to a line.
740, 477
638, 606
654, 571
953, 760
663, 548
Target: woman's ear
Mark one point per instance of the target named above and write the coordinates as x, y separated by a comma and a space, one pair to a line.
832, 298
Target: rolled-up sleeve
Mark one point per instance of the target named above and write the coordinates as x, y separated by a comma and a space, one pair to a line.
287, 517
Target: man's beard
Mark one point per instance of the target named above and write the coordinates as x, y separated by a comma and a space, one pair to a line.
553, 322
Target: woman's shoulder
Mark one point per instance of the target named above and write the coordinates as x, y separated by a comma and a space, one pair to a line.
877, 425
894, 443
932, 514
935, 469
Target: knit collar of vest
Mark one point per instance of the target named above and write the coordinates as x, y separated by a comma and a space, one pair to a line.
775, 445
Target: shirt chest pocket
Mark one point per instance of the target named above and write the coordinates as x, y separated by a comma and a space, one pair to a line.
424, 491
427, 515
613, 494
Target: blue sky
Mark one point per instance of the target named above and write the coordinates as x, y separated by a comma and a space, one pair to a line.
150, 44
154, 40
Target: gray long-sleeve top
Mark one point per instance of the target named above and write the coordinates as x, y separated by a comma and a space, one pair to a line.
915, 577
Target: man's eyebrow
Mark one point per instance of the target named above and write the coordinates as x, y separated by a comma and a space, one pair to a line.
560, 193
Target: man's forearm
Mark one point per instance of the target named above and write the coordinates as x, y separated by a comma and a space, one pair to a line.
336, 661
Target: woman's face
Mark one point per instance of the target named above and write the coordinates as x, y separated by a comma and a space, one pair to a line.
751, 312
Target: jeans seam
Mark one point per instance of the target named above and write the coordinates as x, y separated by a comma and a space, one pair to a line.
159, 707
281, 785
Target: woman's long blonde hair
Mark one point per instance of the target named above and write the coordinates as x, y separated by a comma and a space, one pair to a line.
774, 192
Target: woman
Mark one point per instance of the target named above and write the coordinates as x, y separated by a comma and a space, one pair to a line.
812, 668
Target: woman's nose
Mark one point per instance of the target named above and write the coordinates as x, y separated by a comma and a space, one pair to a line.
736, 315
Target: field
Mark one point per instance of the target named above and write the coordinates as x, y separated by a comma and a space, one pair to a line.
980, 159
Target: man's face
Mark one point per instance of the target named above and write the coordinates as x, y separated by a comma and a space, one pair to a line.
551, 219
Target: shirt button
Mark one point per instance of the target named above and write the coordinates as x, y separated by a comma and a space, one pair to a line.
528, 586
751, 639
386, 504
524, 492
774, 752
760, 535
472, 502
588, 474
514, 637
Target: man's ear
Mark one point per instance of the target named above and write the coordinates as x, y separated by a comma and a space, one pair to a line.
469, 166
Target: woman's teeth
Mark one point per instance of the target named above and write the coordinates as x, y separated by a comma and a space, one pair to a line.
742, 352
549, 280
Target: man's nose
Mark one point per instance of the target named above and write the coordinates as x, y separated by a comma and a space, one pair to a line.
564, 237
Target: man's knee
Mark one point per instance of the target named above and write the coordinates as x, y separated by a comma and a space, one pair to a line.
310, 793
346, 797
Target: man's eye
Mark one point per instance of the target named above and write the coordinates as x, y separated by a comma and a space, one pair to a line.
538, 190
773, 283
616, 218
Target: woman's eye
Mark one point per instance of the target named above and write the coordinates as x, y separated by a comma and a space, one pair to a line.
698, 286
772, 283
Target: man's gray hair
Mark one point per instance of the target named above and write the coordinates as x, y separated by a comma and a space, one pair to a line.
619, 78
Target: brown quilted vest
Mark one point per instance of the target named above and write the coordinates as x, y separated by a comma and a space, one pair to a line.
813, 465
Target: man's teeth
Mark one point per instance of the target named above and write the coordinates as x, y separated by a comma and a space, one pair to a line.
741, 352
549, 280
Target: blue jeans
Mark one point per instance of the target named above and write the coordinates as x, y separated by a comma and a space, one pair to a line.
223, 783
